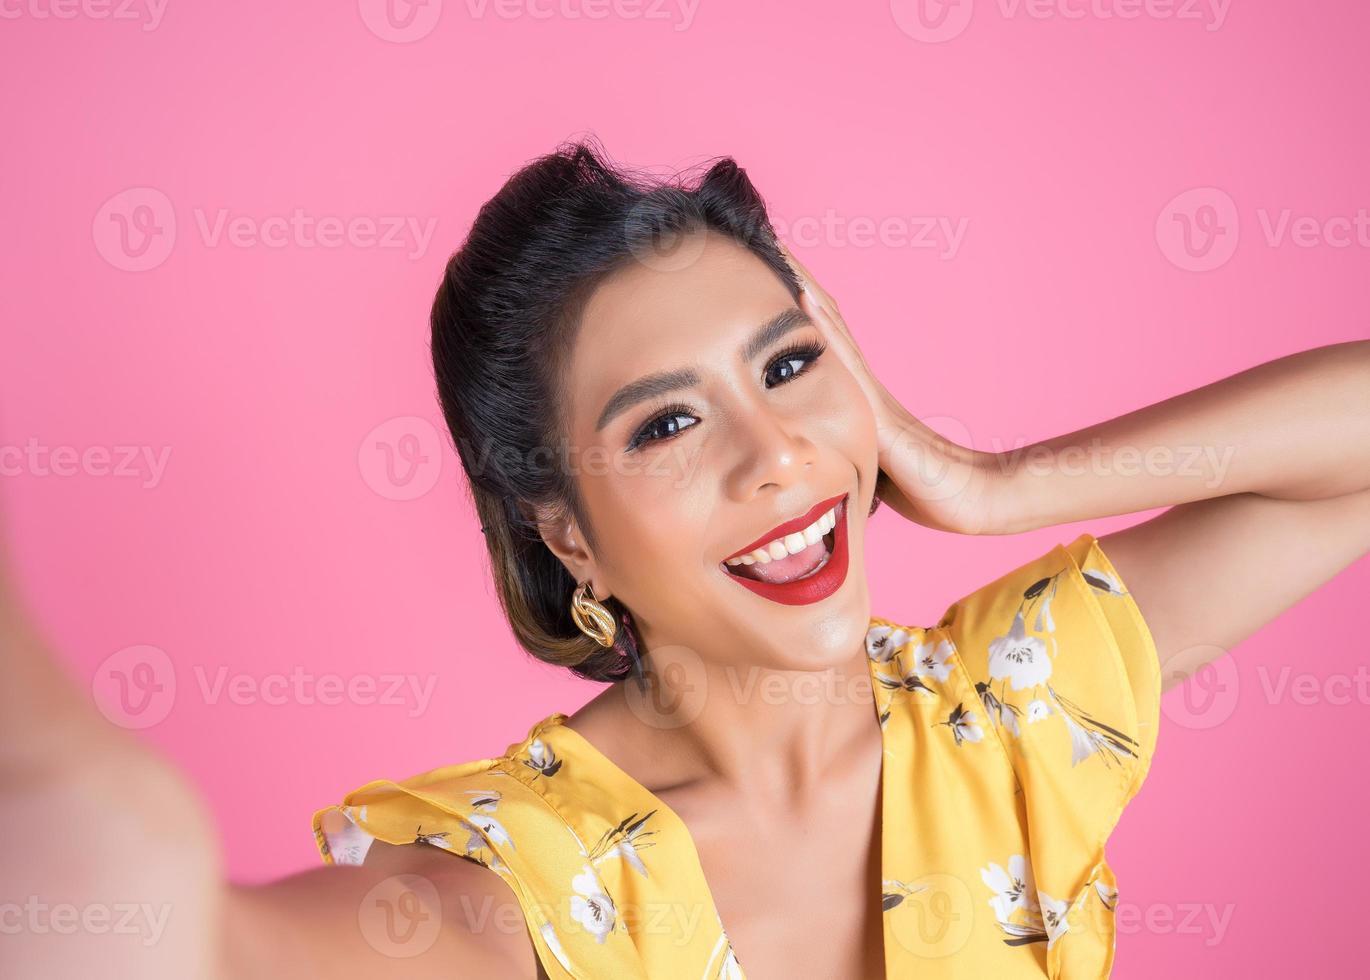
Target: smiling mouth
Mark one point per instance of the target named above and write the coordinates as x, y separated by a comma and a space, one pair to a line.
791, 568
800, 565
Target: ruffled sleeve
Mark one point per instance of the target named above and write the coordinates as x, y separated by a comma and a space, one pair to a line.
485, 811
1062, 669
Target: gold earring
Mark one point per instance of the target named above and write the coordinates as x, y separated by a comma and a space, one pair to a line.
593, 619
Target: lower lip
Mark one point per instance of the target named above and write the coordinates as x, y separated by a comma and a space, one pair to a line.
820, 584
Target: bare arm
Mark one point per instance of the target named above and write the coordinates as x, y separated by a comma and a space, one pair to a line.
1267, 476
112, 869
408, 912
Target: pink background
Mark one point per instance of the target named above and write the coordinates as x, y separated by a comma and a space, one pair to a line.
276, 538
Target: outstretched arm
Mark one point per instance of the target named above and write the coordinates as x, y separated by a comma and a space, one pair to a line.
111, 866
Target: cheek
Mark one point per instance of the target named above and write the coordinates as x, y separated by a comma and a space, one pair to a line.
846, 418
658, 509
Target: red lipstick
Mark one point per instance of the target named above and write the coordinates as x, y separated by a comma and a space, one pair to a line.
790, 527
817, 585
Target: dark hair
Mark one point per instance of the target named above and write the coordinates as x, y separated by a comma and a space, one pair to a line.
503, 322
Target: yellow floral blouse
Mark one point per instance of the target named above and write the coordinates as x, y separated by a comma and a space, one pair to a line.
1015, 731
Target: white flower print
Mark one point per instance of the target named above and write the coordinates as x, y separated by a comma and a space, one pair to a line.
731, 969
1013, 887
1044, 622
349, 842
1053, 917
1020, 658
964, 725
438, 839
491, 827
728, 967
1037, 709
549, 936
625, 849
625, 840
484, 800
1102, 581
905, 681
483, 831
998, 712
893, 892
542, 759
933, 660
590, 906
1016, 906
883, 642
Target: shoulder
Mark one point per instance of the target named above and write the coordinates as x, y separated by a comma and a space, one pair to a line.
480, 829
421, 876
473, 809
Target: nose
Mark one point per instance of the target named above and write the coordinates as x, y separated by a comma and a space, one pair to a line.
772, 453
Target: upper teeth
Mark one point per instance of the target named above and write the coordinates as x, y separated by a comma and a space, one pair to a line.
790, 544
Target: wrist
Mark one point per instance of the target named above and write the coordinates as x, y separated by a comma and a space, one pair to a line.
1017, 494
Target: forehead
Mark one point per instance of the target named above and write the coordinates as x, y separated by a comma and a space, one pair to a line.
693, 308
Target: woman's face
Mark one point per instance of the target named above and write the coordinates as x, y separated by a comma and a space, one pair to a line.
744, 432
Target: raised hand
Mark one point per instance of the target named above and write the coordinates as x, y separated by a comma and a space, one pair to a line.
928, 478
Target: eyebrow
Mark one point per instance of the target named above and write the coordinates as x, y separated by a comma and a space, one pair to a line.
659, 383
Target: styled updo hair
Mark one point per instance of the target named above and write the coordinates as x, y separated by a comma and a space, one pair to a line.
503, 323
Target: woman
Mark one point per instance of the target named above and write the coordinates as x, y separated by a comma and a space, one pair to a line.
674, 444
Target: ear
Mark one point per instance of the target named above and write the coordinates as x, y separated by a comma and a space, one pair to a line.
561, 534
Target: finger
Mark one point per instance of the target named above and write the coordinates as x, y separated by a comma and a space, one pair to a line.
806, 279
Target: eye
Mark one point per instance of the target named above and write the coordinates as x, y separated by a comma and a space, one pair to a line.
663, 425
783, 363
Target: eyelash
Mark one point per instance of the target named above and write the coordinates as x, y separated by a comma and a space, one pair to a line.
810, 351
